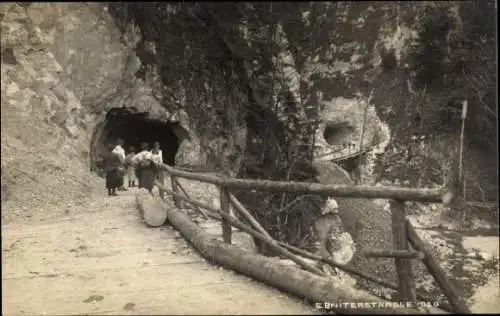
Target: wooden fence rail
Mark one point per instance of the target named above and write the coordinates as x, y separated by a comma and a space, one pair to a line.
214, 213
366, 192
403, 232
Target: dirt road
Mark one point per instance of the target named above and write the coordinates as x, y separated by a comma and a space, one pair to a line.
105, 261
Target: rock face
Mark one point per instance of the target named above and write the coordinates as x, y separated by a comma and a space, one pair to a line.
367, 223
63, 67
45, 127
255, 90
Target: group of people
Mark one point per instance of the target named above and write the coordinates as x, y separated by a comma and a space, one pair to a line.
143, 167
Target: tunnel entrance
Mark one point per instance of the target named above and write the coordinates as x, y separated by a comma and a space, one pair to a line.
135, 127
337, 134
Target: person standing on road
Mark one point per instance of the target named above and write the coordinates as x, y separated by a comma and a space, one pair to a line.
145, 167
157, 153
112, 164
158, 160
120, 152
130, 167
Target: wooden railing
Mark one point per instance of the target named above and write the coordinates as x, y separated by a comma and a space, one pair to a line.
404, 234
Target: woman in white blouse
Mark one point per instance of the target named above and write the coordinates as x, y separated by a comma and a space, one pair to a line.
145, 167
157, 153
158, 160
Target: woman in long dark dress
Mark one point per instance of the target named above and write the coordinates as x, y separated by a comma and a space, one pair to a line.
145, 167
112, 163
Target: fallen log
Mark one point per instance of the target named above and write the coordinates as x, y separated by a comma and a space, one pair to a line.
297, 282
152, 211
443, 306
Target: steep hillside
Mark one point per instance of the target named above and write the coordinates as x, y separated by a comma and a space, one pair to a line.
257, 90
308, 78
45, 125
63, 67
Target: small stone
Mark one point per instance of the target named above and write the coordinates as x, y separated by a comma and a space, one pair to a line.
94, 298
129, 306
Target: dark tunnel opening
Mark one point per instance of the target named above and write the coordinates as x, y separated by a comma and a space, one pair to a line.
336, 134
135, 128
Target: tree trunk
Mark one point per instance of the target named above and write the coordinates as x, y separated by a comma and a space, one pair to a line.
369, 225
290, 279
152, 211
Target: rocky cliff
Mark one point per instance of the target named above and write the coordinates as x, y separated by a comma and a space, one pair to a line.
316, 79
260, 89
64, 66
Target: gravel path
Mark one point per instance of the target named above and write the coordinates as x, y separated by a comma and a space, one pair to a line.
105, 261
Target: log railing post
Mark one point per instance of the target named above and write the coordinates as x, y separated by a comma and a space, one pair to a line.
457, 303
237, 206
225, 207
202, 212
406, 283
173, 180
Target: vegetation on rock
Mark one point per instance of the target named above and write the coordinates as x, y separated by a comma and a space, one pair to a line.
263, 66
452, 60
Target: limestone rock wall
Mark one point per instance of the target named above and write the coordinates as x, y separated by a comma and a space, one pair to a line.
63, 66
